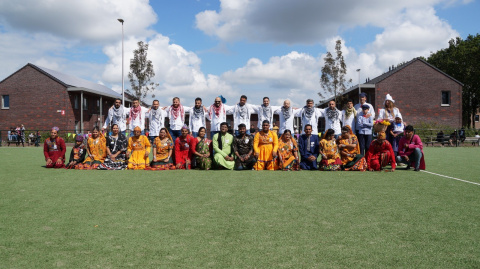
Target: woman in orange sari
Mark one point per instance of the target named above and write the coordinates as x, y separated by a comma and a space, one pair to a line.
329, 152
287, 152
349, 149
96, 150
162, 151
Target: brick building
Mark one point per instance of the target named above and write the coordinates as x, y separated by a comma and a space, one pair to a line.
422, 92
41, 98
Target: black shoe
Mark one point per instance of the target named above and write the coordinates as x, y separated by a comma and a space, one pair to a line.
417, 170
408, 167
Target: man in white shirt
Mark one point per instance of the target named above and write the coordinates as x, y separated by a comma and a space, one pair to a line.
310, 115
156, 120
136, 116
217, 114
349, 115
197, 117
287, 115
265, 112
241, 114
176, 117
117, 114
332, 118
358, 107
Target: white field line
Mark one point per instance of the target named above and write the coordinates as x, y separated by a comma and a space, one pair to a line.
466, 181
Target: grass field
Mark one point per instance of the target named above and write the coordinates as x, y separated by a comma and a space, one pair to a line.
228, 219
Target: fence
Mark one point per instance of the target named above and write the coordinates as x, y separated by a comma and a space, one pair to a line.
67, 135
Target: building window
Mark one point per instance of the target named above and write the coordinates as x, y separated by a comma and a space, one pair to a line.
5, 101
75, 102
445, 98
85, 103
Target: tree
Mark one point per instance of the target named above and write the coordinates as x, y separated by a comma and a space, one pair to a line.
461, 60
333, 73
141, 71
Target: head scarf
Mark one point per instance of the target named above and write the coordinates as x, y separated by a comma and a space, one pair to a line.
287, 112
118, 115
241, 111
308, 111
137, 128
177, 111
55, 128
381, 135
199, 113
79, 138
350, 111
266, 112
332, 114
216, 110
135, 112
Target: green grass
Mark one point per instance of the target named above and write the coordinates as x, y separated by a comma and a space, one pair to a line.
228, 219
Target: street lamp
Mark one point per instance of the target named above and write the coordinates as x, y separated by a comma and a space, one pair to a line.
359, 90
123, 83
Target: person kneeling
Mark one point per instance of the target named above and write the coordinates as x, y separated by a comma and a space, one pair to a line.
138, 150
410, 150
222, 146
54, 150
380, 153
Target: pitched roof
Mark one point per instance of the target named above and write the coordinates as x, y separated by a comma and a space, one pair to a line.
73, 83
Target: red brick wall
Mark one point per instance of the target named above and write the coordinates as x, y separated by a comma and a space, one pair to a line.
417, 91
35, 99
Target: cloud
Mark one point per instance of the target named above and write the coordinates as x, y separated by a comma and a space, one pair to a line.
87, 20
299, 22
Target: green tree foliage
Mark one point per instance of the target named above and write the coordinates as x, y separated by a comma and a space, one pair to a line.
461, 60
333, 73
141, 71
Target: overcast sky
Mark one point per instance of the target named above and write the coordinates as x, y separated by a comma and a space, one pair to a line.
206, 48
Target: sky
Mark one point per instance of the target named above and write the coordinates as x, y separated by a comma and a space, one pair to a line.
207, 48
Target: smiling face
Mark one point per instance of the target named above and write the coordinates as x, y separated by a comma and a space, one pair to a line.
136, 103
408, 135
201, 133
53, 134
115, 129
310, 103
265, 127
218, 101
184, 132
94, 133
286, 104
242, 130
266, 101
308, 130
198, 103
287, 136
350, 105
331, 104
155, 105
224, 128
117, 103
243, 101
162, 134
176, 102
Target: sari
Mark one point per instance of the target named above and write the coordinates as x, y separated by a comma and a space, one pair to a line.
138, 147
286, 154
161, 149
203, 147
329, 149
98, 149
116, 144
352, 160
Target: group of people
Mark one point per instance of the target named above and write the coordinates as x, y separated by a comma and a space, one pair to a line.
346, 144
17, 135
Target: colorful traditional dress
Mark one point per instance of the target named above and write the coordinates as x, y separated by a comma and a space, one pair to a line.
137, 147
77, 155
329, 149
184, 148
286, 153
54, 149
354, 161
98, 149
203, 147
379, 155
243, 145
264, 145
161, 149
116, 144
222, 149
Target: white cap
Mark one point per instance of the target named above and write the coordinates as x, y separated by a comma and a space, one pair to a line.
389, 98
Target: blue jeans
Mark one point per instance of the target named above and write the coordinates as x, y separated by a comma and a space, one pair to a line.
175, 134
237, 133
365, 140
414, 157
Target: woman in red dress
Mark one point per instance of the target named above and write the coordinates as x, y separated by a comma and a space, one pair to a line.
54, 150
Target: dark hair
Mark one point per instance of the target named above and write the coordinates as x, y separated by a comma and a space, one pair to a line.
241, 125
223, 123
135, 99
198, 99
96, 128
114, 125
166, 131
306, 125
265, 98
155, 101
199, 129
243, 96
309, 100
175, 98
349, 100
287, 131
118, 99
265, 121
409, 128
329, 133
345, 129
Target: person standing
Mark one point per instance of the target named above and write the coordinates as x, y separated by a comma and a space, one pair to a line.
265, 113
364, 128
241, 114
308, 145
389, 113
358, 108
137, 116
198, 116
310, 115
349, 115
54, 150
217, 114
176, 117
332, 118
156, 120
243, 149
117, 114
222, 146
286, 115
410, 150
21, 135
265, 146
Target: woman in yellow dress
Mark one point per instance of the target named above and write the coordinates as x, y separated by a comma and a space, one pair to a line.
328, 150
96, 150
138, 150
349, 148
287, 152
265, 146
162, 151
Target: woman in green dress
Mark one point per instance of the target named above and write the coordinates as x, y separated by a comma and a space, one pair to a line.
202, 150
